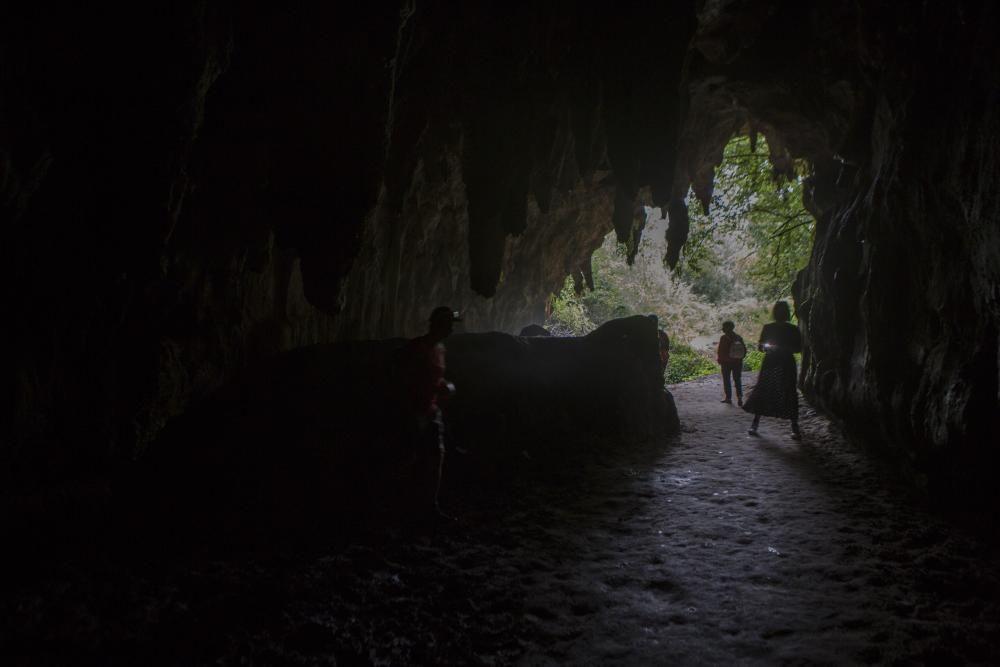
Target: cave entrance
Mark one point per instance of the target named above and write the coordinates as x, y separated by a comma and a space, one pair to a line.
741, 255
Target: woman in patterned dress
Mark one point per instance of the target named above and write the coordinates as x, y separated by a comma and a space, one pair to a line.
775, 394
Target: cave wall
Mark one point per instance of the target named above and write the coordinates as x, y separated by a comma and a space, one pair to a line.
504, 173
181, 200
98, 127
900, 301
194, 188
191, 189
895, 112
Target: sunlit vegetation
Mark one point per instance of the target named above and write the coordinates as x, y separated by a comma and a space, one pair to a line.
738, 260
758, 230
687, 363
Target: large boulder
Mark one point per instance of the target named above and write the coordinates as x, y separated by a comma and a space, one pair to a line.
316, 435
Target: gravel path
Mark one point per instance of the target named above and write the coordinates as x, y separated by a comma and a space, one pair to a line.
714, 548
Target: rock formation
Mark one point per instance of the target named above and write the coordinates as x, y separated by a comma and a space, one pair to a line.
317, 434
193, 189
900, 299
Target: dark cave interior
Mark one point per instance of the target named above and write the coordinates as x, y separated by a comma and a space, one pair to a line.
220, 217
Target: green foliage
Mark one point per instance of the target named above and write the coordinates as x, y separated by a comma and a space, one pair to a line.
608, 301
753, 360
569, 316
687, 364
736, 263
648, 288
763, 210
712, 283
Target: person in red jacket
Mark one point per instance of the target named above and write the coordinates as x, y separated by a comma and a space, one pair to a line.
424, 391
730, 344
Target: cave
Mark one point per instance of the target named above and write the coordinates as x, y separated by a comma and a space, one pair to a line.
224, 219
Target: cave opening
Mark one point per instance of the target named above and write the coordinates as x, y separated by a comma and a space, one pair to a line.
748, 239
223, 223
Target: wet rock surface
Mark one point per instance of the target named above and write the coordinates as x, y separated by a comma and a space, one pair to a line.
710, 548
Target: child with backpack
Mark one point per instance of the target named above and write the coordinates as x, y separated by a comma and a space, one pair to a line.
730, 355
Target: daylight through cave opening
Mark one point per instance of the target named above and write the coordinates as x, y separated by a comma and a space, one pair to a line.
746, 244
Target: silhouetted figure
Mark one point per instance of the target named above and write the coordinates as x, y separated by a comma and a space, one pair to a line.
425, 389
664, 346
775, 393
730, 355
534, 330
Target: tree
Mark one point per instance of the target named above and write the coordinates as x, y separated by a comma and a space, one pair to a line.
736, 262
762, 213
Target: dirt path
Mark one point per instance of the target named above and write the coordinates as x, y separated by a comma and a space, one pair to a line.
714, 548
727, 549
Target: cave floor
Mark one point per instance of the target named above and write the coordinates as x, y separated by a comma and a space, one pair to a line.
713, 548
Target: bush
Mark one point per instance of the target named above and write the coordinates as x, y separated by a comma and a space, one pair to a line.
690, 305
569, 316
687, 364
753, 360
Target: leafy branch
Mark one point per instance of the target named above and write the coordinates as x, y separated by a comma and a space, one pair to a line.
766, 213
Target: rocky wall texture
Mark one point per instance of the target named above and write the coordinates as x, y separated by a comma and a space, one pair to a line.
320, 440
189, 190
894, 113
517, 136
900, 301
402, 274
98, 130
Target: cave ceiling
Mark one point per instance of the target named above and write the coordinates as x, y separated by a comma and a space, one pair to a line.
220, 183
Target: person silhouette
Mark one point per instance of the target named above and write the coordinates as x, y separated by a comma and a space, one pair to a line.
663, 341
775, 394
730, 357
424, 390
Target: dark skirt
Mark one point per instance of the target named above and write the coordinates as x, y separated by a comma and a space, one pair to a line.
775, 394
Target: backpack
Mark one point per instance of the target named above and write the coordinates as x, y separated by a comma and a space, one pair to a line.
737, 349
